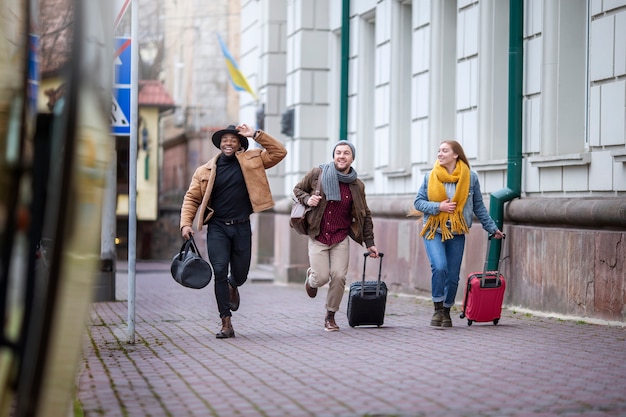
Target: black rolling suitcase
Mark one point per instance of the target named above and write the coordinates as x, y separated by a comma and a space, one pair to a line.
367, 299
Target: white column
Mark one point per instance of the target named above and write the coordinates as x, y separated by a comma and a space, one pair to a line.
549, 75
486, 81
442, 72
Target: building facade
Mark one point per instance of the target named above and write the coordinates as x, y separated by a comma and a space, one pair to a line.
414, 73
194, 72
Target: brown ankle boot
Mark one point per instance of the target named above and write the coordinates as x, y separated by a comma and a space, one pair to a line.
329, 322
446, 320
234, 297
227, 329
438, 316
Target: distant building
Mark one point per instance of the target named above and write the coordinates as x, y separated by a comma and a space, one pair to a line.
195, 73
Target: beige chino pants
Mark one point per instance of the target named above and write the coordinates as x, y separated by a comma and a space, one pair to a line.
329, 264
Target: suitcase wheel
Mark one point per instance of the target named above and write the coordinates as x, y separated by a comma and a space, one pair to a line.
495, 321
469, 322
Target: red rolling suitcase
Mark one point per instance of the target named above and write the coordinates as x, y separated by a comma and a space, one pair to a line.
483, 295
367, 299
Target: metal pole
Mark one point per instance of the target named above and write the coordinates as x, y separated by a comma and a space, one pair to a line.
514, 166
107, 235
345, 64
132, 172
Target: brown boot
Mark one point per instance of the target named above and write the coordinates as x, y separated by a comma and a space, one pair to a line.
446, 321
329, 322
438, 316
234, 297
227, 329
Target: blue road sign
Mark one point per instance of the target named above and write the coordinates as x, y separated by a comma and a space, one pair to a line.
120, 112
33, 71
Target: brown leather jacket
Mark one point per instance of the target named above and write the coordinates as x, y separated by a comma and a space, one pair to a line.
362, 228
253, 164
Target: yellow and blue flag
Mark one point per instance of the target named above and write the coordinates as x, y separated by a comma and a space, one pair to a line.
236, 77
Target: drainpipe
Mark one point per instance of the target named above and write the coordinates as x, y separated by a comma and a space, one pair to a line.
514, 165
345, 61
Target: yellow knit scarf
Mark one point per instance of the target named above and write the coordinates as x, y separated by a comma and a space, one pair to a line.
437, 192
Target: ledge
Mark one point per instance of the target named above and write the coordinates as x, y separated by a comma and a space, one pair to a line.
560, 160
596, 212
424, 166
589, 212
495, 165
396, 173
619, 156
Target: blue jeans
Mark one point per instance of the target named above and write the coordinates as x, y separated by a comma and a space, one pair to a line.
445, 262
230, 250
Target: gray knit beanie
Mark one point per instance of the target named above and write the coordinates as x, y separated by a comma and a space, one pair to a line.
344, 142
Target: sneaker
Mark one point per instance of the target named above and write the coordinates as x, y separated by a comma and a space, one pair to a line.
312, 292
329, 322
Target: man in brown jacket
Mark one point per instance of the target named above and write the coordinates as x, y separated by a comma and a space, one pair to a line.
339, 211
224, 192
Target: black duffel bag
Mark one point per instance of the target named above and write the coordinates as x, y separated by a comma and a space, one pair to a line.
189, 269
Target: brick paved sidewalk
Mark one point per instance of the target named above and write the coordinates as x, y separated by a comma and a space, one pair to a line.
282, 363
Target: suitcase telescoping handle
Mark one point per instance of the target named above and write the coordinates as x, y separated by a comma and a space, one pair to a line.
380, 268
483, 278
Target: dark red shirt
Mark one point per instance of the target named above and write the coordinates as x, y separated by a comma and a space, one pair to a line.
337, 218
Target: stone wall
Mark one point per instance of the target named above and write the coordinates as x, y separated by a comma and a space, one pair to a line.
568, 270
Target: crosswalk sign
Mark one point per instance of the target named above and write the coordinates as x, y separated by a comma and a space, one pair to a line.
120, 111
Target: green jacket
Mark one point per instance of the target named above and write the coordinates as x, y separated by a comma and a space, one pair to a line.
362, 228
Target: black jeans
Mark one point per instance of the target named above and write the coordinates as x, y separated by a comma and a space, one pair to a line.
229, 248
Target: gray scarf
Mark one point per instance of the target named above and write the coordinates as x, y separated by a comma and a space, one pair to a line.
331, 179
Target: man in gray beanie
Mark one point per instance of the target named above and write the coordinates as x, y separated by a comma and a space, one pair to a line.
339, 211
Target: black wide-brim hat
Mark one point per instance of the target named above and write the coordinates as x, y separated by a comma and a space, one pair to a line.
217, 137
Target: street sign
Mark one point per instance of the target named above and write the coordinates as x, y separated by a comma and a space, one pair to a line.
33, 71
119, 6
120, 111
